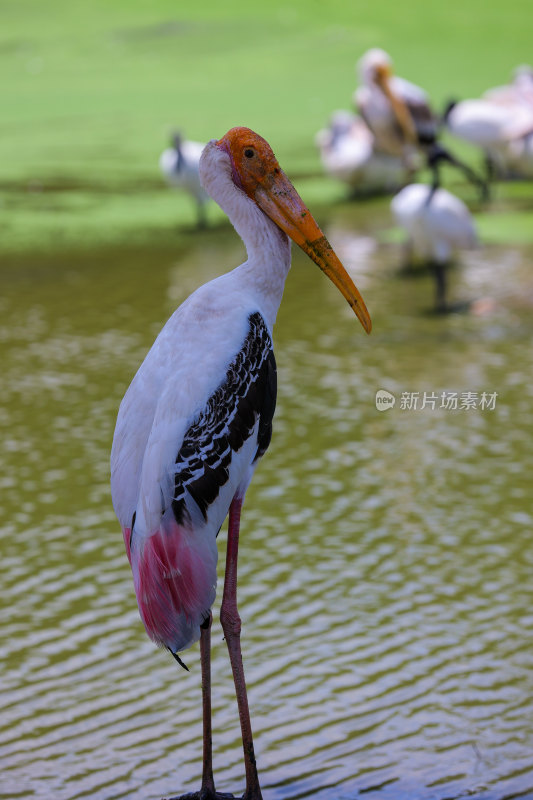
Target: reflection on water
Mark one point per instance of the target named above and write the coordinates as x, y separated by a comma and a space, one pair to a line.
386, 558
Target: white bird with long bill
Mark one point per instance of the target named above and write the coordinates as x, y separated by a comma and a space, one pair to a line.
197, 417
397, 111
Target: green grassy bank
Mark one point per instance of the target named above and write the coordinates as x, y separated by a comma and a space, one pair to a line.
91, 91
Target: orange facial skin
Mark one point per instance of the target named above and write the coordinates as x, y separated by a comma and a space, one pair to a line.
257, 172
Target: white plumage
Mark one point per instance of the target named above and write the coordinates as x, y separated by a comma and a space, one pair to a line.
499, 129
169, 390
348, 153
488, 124
165, 396
437, 222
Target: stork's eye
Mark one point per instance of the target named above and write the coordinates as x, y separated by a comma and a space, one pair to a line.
249, 153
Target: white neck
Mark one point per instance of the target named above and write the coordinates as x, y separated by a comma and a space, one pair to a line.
267, 246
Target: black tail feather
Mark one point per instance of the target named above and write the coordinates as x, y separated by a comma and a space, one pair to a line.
178, 659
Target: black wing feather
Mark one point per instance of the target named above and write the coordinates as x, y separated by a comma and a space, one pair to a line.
227, 421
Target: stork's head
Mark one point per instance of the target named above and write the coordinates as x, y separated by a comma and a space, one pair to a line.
374, 66
256, 172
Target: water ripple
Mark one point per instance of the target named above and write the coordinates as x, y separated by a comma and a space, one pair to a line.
385, 575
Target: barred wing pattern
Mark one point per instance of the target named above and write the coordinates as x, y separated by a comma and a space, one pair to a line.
226, 422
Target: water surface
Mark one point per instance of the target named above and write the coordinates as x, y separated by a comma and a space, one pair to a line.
386, 558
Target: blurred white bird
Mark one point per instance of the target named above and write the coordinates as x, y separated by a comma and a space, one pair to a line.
347, 152
520, 90
438, 224
180, 166
397, 112
498, 129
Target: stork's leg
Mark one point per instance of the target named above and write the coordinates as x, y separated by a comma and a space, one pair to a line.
207, 792
208, 783
231, 625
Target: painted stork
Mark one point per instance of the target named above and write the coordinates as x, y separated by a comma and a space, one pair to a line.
348, 152
438, 224
197, 417
400, 116
397, 112
180, 167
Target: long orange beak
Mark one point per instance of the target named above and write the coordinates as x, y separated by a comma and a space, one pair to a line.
256, 171
399, 108
280, 201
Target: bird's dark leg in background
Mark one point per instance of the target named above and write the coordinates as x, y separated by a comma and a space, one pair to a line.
439, 270
490, 169
435, 183
437, 154
231, 625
